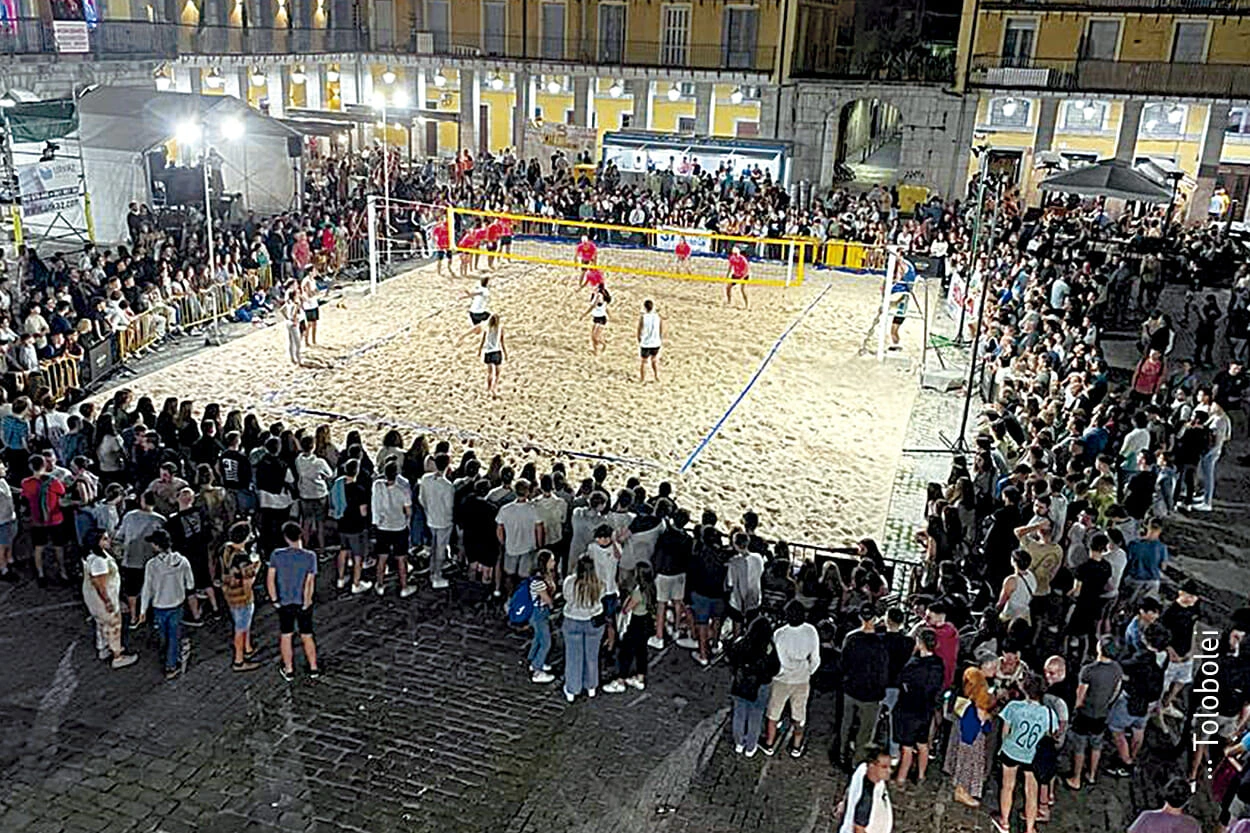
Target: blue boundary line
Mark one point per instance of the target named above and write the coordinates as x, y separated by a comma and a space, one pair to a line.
750, 384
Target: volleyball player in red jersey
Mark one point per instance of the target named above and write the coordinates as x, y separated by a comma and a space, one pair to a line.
682, 250
468, 240
505, 235
442, 243
739, 272
586, 254
493, 233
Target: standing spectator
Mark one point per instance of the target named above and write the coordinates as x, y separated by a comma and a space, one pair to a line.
167, 579
743, 575
1025, 723
391, 508
312, 478
8, 526
1146, 557
437, 497
865, 673
520, 533
672, 555
754, 662
967, 749
353, 528
290, 581
867, 802
1181, 619
1171, 818
583, 630
919, 687
137, 550
639, 609
238, 575
542, 584
101, 592
1099, 685
798, 650
43, 493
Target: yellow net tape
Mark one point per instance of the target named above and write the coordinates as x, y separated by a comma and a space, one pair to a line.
646, 252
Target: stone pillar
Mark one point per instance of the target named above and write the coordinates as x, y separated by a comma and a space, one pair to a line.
277, 91
236, 83
640, 89
1130, 120
1043, 139
422, 93
581, 100
195, 80
522, 110
768, 112
704, 105
1209, 162
470, 129
347, 84
314, 86
828, 148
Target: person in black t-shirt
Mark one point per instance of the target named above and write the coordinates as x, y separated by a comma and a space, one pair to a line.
1179, 618
481, 546
1091, 578
899, 647
670, 560
236, 475
865, 666
354, 528
705, 579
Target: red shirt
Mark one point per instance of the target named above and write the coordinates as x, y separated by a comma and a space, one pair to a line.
594, 277
505, 227
683, 250
494, 232
947, 650
45, 511
468, 241
441, 235
586, 252
738, 266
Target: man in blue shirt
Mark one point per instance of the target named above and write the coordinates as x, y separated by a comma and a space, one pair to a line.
291, 579
1145, 562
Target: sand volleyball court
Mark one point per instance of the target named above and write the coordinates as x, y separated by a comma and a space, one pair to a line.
810, 441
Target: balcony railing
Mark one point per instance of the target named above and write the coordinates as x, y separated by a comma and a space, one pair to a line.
626, 53
142, 38
1189, 7
917, 67
1093, 76
150, 39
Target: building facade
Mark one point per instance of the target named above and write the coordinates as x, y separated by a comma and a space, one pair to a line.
1160, 80
1166, 80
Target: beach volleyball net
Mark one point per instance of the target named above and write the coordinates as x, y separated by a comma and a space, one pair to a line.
632, 250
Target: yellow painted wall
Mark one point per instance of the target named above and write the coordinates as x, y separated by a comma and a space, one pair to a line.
726, 114
664, 113
1146, 39
1230, 41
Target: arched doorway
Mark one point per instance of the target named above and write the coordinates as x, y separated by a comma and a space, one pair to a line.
869, 140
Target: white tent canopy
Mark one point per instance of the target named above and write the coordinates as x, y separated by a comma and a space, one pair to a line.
118, 125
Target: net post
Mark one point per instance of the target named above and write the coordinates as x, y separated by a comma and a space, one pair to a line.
887, 284
372, 213
790, 265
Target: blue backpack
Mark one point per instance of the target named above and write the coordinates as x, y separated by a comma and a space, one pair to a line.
521, 605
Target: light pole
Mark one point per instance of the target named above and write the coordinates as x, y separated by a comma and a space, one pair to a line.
192, 133
380, 103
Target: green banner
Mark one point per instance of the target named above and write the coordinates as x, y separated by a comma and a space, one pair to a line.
42, 121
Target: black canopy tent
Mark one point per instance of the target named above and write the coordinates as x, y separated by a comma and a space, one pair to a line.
1109, 178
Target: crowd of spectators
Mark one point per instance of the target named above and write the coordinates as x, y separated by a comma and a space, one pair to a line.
1041, 627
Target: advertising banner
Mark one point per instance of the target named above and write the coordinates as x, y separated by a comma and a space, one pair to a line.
49, 187
667, 239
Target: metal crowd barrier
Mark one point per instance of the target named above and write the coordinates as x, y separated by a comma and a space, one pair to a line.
60, 375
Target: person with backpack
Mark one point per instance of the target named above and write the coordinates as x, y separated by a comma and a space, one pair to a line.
531, 604
43, 494
754, 662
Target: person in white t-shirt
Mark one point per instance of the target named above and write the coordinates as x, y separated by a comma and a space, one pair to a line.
313, 476
479, 308
101, 592
650, 340
310, 303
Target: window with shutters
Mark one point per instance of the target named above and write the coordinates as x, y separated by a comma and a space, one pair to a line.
1189, 42
1019, 37
494, 26
675, 36
738, 36
438, 22
553, 31
1102, 40
611, 33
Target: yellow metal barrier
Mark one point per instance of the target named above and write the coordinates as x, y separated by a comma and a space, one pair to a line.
60, 375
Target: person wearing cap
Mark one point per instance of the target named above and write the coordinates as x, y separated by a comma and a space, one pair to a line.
1181, 619
865, 672
167, 581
